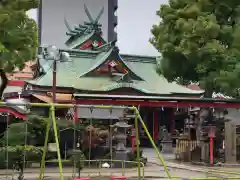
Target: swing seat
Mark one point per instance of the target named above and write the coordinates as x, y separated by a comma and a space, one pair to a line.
118, 178
82, 178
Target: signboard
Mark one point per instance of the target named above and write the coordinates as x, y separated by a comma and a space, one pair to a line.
99, 113
95, 121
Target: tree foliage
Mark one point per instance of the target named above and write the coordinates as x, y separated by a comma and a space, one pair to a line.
200, 42
33, 131
29, 132
18, 35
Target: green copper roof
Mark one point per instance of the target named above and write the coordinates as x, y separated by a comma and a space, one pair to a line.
82, 33
69, 74
79, 40
102, 58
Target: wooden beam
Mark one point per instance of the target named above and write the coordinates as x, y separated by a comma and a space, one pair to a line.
148, 103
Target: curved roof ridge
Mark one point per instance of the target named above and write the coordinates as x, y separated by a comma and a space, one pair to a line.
103, 56
103, 60
125, 85
131, 68
139, 58
72, 43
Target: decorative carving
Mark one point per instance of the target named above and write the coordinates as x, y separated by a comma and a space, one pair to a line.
86, 45
113, 63
112, 66
125, 78
91, 45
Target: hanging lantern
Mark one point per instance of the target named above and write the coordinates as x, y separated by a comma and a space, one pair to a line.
211, 131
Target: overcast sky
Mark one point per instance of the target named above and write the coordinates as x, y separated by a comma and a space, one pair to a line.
135, 19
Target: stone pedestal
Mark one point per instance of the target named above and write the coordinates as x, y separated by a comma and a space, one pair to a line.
167, 147
120, 155
204, 151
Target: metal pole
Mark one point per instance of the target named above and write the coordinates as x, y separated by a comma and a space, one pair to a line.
74, 148
153, 144
6, 145
137, 141
54, 88
189, 139
57, 142
42, 168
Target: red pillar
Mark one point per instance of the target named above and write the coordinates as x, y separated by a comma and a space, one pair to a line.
211, 150
133, 144
133, 135
155, 124
75, 114
211, 135
172, 120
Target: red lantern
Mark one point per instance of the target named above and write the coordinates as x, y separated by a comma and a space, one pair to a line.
212, 131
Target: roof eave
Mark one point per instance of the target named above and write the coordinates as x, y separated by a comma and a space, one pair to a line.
75, 42
157, 98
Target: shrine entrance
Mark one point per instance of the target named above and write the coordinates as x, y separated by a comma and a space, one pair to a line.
154, 118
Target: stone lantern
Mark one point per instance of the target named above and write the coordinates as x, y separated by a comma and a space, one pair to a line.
120, 137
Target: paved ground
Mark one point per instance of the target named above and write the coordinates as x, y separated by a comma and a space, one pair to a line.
188, 170
154, 169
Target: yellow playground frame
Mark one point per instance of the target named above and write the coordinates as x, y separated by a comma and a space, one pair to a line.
138, 118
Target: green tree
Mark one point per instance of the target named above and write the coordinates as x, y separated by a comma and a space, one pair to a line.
200, 42
29, 132
18, 36
33, 131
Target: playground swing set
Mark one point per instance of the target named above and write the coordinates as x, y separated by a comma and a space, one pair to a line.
52, 123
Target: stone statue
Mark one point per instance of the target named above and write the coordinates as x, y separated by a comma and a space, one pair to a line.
166, 140
166, 135
161, 132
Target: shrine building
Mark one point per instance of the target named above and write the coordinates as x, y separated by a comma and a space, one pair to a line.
97, 69
96, 74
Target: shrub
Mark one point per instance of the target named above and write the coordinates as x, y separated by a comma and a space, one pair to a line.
78, 157
19, 157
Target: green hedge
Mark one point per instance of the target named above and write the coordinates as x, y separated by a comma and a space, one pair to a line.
78, 157
18, 156
75, 157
